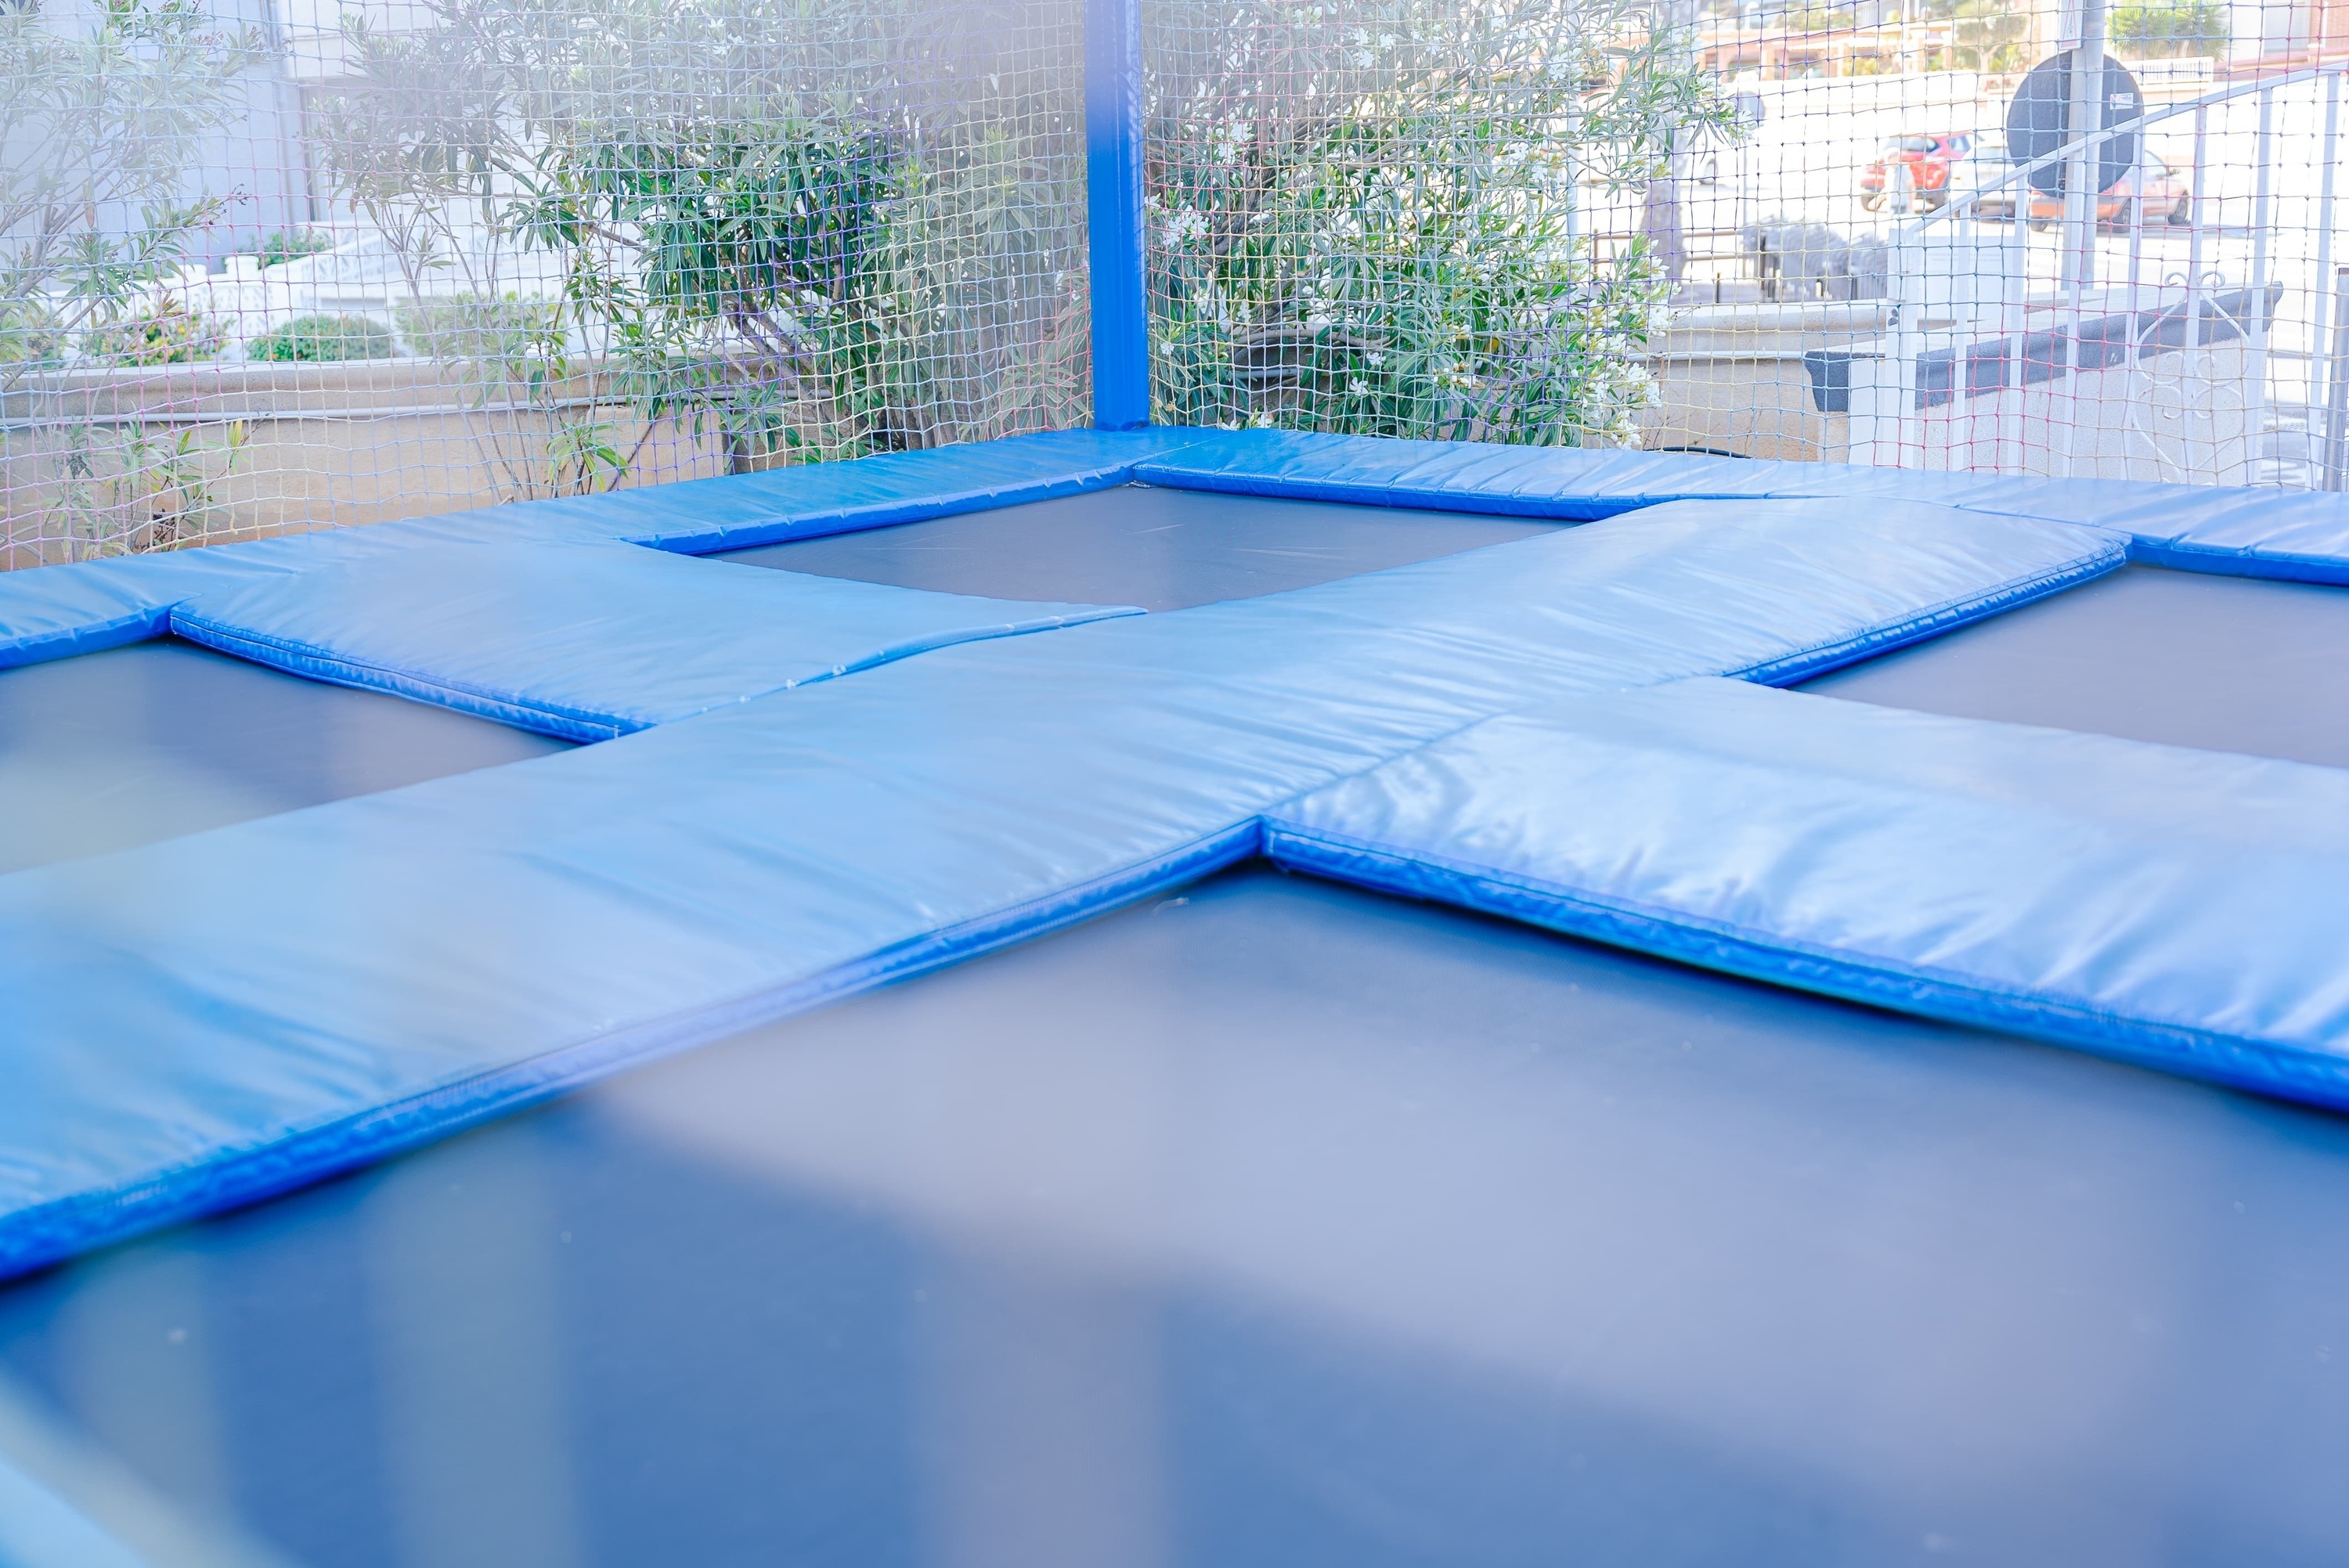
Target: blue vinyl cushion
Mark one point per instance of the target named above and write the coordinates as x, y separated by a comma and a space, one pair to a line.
59, 611
2176, 907
2199, 528
588, 641
56, 612
380, 971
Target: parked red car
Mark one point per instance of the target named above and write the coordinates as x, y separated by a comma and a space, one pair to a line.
2167, 191
1928, 156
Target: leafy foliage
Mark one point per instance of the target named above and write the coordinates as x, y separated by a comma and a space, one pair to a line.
291, 244
793, 224
29, 335
101, 125
158, 330
320, 338
104, 128
1984, 34
2171, 29
1366, 222
505, 328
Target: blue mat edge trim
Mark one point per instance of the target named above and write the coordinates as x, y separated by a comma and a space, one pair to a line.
97, 636
1557, 508
1161, 465
149, 614
2273, 565
1816, 661
314, 664
2275, 1071
562, 723
53, 1233
1224, 462
884, 514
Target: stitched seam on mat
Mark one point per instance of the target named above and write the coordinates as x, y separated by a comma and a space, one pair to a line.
2018, 1001
1952, 613
218, 635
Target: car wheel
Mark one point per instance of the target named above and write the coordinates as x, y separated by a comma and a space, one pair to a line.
1873, 202
2183, 213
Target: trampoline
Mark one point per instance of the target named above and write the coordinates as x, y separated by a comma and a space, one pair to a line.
1243, 1217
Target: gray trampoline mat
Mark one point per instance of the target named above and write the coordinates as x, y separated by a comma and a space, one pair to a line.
2225, 663
1159, 548
114, 749
1274, 1223
1268, 1222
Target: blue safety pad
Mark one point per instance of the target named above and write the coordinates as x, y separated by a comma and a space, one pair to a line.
2201, 527
2231, 530
586, 642
703, 517
1563, 483
203, 1021
55, 611
2302, 538
2173, 907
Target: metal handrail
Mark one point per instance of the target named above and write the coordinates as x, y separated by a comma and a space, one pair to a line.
2064, 153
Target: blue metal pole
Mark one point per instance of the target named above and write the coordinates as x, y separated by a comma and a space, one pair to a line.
1121, 325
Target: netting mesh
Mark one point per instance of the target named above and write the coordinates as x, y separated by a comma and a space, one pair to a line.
1368, 217
1761, 230
275, 264
386, 260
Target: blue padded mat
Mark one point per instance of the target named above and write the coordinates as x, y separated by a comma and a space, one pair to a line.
55, 611
374, 973
589, 641
1570, 483
58, 611
2198, 528
2174, 907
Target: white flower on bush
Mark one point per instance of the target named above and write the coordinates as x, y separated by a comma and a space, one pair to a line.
1231, 140
1357, 388
1182, 227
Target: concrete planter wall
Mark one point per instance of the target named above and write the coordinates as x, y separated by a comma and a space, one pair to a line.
1734, 380
95, 462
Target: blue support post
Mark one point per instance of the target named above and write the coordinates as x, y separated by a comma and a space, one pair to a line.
1121, 325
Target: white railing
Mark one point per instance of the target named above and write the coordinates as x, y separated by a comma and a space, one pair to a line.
2198, 304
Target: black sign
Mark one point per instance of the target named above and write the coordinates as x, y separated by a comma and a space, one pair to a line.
2039, 122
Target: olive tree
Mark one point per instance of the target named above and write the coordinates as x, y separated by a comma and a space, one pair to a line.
1365, 218
820, 230
101, 130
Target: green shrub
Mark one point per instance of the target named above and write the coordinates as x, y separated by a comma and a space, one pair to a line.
29, 335
2171, 29
1398, 252
322, 338
291, 244
163, 332
504, 327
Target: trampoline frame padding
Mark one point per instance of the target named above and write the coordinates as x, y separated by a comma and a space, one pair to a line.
586, 642
57, 612
2107, 894
370, 973
2256, 533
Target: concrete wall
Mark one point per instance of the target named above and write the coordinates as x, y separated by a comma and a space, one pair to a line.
100, 462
